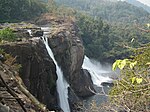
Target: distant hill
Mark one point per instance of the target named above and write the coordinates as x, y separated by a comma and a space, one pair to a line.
139, 4
43, 0
109, 10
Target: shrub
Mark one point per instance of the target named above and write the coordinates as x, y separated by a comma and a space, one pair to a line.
7, 35
132, 92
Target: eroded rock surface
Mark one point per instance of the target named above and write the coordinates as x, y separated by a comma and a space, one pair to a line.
12, 99
69, 53
38, 70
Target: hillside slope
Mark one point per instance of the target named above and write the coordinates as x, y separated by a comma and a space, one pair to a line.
111, 11
139, 4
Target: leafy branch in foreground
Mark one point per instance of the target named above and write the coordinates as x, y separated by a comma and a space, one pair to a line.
132, 91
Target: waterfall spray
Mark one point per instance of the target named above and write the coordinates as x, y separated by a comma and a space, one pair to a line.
95, 72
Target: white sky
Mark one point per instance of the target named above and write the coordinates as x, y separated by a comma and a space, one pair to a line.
147, 2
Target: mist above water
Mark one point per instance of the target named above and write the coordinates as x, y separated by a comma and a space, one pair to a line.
99, 73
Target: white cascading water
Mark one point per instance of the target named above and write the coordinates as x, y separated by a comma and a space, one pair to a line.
62, 85
95, 72
30, 32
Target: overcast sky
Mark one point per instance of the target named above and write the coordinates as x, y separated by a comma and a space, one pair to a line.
147, 2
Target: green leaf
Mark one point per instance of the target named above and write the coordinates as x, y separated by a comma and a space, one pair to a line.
116, 64
139, 80
133, 64
133, 79
122, 64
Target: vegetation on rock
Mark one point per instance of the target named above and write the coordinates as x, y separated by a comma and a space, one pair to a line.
7, 34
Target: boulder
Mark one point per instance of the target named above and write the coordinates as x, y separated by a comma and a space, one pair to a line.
84, 84
110, 84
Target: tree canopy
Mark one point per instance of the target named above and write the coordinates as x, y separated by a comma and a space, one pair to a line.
19, 10
107, 27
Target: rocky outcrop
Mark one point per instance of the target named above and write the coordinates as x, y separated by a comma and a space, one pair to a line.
38, 70
69, 53
83, 84
12, 96
8, 85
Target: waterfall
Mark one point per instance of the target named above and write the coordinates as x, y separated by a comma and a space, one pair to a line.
62, 85
30, 32
95, 72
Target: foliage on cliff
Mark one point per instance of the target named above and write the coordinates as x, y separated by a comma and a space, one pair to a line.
7, 34
18, 10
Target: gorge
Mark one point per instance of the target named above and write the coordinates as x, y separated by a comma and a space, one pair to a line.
50, 54
40, 72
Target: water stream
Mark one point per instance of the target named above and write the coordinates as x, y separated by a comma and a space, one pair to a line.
62, 85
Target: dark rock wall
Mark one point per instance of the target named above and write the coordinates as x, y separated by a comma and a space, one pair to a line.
38, 70
69, 53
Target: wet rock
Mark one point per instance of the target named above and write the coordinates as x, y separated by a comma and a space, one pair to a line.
37, 33
73, 99
38, 70
22, 33
110, 84
2, 58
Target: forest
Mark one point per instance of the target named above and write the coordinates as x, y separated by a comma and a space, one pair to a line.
105, 30
108, 28
112, 31
20, 10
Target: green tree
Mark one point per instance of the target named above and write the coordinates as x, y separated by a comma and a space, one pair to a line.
132, 91
18, 10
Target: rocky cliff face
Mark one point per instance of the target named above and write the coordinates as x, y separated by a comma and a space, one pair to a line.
69, 53
12, 99
38, 70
